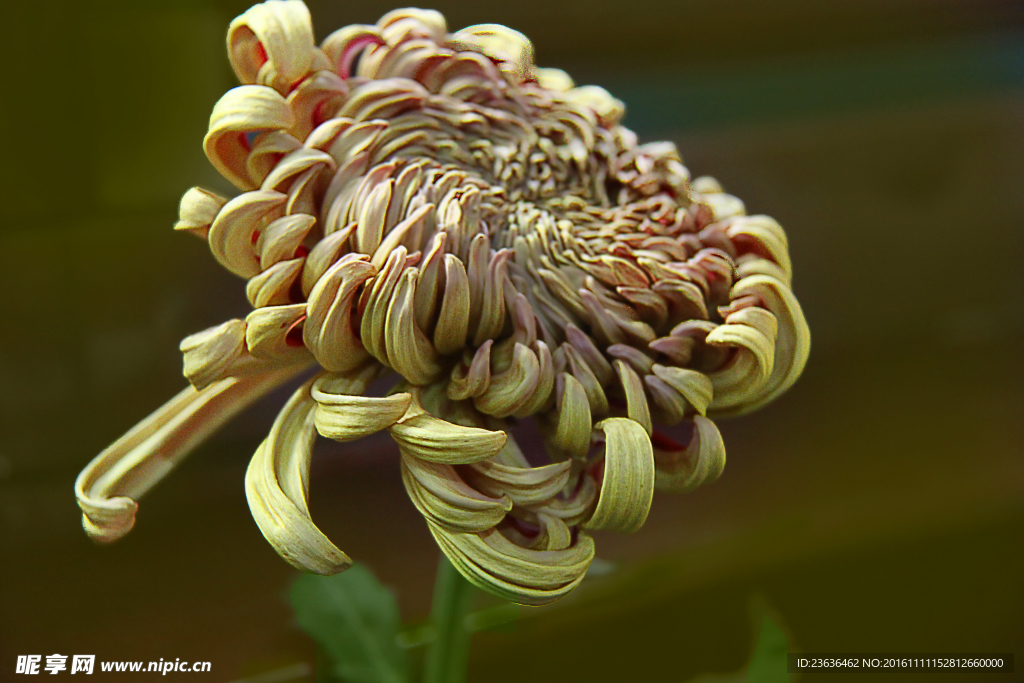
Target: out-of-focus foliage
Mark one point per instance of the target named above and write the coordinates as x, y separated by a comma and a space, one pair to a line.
355, 620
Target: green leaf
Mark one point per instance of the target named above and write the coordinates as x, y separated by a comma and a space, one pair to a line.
768, 662
355, 620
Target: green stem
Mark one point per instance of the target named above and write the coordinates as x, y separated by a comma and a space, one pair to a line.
449, 653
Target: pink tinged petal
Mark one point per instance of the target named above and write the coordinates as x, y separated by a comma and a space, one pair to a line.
792, 345
328, 331
243, 111
471, 379
236, 229
684, 468
109, 486
342, 46
272, 44
316, 100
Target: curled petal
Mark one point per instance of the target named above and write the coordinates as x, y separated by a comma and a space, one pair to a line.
573, 508
764, 237
234, 232
429, 289
683, 468
571, 433
287, 173
344, 417
637, 408
589, 352
109, 486
272, 44
344, 45
409, 351
471, 379
453, 320
275, 334
375, 302
273, 286
216, 353
440, 494
608, 109
581, 371
328, 332
326, 252
530, 577
554, 79
541, 395
628, 486
792, 346
694, 386
282, 238
510, 49
197, 210
524, 485
240, 115
433, 439
508, 391
267, 150
752, 331
315, 101
277, 485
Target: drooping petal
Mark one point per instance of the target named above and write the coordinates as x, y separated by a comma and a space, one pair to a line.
109, 486
277, 485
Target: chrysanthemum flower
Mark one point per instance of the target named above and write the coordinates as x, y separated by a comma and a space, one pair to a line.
432, 207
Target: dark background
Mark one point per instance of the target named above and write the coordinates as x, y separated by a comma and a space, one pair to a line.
877, 506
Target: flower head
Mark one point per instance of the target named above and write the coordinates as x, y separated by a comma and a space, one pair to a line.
433, 207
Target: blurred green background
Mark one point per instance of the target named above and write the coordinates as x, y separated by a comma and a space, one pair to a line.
878, 506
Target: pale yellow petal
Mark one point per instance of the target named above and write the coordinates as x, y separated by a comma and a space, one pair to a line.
109, 486
277, 485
